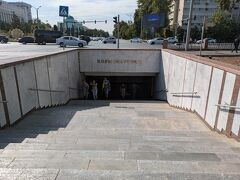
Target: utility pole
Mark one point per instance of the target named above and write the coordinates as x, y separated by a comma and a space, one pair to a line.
203, 27
118, 31
189, 26
37, 14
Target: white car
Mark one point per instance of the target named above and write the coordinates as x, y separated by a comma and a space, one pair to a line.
172, 40
136, 40
210, 40
70, 41
156, 41
109, 40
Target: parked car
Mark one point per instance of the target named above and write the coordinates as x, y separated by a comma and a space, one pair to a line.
109, 40
85, 38
70, 41
26, 39
172, 40
158, 40
136, 40
210, 40
3, 39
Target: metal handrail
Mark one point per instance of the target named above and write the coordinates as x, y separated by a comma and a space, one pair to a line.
3, 102
161, 91
74, 88
184, 93
227, 106
45, 90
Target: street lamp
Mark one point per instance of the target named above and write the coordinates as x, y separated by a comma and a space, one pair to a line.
37, 13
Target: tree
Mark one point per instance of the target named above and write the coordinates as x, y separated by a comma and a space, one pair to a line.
195, 33
16, 23
16, 33
149, 7
227, 4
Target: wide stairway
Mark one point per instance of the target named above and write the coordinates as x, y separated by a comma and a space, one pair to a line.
98, 140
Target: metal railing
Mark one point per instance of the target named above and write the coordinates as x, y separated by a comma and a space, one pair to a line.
227, 106
2, 102
185, 94
46, 90
193, 46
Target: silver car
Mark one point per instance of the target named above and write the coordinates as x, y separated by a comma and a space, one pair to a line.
70, 41
156, 41
109, 40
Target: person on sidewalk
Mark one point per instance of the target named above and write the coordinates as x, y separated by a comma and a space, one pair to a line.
106, 87
236, 44
94, 90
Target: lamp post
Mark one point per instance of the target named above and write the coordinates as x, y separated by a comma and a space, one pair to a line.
189, 26
37, 13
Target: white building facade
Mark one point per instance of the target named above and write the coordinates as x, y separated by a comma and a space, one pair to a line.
201, 9
20, 9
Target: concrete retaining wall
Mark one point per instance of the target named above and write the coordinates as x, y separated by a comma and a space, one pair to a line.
42, 82
201, 86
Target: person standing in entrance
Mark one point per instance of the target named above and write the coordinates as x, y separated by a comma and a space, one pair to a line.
85, 89
94, 90
123, 91
236, 44
106, 87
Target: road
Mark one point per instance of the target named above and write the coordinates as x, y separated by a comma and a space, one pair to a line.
13, 51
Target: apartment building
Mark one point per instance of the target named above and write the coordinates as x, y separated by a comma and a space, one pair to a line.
20, 9
201, 9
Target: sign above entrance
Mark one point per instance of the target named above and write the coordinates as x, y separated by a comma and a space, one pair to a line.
63, 11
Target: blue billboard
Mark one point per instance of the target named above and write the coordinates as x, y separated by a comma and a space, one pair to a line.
63, 11
156, 20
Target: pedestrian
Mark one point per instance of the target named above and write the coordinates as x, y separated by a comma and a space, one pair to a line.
94, 89
85, 89
236, 44
106, 87
123, 91
135, 88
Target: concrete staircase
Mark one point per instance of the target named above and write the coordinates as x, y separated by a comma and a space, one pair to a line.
90, 140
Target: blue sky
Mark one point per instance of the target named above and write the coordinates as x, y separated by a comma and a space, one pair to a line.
85, 10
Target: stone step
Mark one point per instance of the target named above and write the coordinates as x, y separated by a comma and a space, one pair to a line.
74, 174
24, 174
129, 165
140, 175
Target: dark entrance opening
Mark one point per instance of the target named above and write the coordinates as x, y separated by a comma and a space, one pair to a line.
141, 85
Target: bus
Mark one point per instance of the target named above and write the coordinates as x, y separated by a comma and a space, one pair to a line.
45, 36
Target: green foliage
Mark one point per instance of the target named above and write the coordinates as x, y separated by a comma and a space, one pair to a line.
224, 29
195, 33
93, 32
167, 32
226, 4
16, 23
128, 31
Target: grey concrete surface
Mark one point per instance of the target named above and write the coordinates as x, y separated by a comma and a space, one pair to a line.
116, 140
13, 51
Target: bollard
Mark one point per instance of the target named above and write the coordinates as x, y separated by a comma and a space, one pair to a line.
165, 44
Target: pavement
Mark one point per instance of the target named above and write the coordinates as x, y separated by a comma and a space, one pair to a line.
98, 140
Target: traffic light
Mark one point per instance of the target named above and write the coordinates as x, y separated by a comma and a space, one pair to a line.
115, 19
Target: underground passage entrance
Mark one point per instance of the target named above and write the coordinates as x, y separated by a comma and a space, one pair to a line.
137, 87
